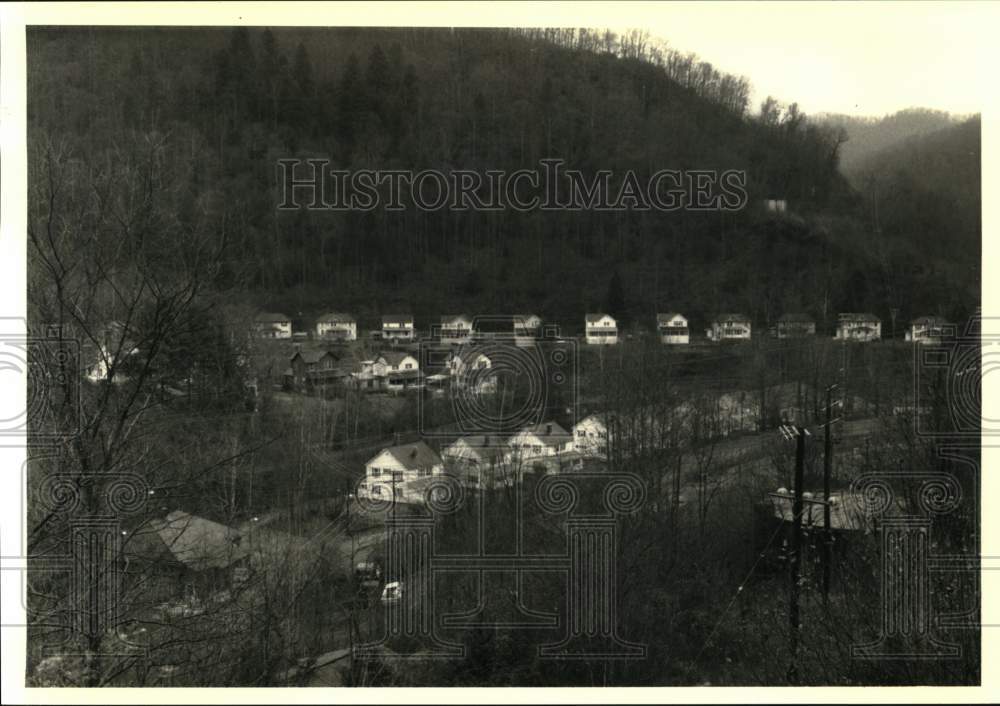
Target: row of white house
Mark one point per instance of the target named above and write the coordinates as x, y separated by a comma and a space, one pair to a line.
602, 329
476, 461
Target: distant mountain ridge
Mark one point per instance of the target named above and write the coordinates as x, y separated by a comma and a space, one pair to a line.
867, 135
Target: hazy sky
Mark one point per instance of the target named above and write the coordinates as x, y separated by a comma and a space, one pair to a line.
858, 58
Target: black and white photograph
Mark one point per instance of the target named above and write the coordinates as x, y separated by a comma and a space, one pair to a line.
497, 345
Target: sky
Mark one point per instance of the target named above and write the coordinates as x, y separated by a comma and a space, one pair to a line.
858, 58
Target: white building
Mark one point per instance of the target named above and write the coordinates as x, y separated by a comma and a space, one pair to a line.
395, 362
858, 327
340, 327
394, 472
776, 205
672, 328
527, 328
456, 329
590, 436
479, 461
272, 325
730, 327
540, 440
601, 329
471, 370
397, 327
929, 329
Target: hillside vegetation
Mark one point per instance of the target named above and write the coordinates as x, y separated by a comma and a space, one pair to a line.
218, 108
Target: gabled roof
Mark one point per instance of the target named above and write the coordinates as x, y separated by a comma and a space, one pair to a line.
483, 446
867, 318
455, 319
597, 417
198, 543
550, 433
524, 318
848, 512
732, 318
271, 318
929, 321
665, 318
417, 455
397, 319
394, 358
310, 355
594, 318
335, 318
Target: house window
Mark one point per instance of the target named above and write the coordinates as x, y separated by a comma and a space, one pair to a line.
422, 472
376, 490
376, 471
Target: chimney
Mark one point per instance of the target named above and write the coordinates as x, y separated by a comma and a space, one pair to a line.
486, 440
548, 428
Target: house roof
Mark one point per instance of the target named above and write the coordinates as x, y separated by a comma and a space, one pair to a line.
271, 318
847, 512
417, 455
665, 318
550, 433
524, 318
929, 321
594, 318
733, 318
312, 355
868, 318
794, 318
394, 358
484, 446
397, 319
456, 319
335, 318
199, 543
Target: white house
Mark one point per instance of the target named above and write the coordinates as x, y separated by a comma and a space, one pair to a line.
464, 362
471, 370
929, 329
456, 329
590, 436
601, 329
479, 461
272, 325
795, 326
398, 370
858, 327
539, 441
394, 471
776, 205
340, 327
395, 362
672, 328
527, 328
730, 327
397, 327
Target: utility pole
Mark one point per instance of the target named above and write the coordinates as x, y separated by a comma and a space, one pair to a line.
827, 468
793, 612
799, 433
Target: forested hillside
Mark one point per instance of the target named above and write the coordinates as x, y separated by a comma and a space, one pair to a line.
220, 107
927, 189
868, 135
